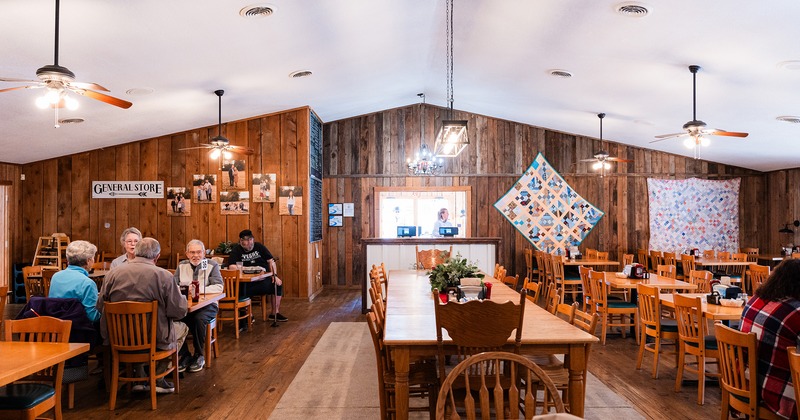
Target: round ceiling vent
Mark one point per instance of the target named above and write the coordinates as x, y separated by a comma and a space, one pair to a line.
70, 120
300, 73
257, 11
789, 119
560, 73
632, 9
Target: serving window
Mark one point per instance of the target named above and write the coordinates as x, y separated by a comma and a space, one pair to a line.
419, 206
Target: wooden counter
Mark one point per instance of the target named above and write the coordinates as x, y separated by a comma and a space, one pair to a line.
401, 254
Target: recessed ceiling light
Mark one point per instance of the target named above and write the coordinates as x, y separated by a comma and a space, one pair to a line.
790, 65
564, 74
257, 11
70, 120
139, 91
300, 73
632, 9
789, 119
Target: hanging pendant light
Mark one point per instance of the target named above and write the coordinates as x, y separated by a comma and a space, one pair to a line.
452, 137
425, 162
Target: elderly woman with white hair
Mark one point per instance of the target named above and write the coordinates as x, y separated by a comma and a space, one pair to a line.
74, 281
129, 238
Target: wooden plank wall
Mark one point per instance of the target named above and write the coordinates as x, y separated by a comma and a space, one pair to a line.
57, 194
783, 195
371, 150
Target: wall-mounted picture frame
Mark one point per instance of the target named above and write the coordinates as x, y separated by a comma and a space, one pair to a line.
264, 188
234, 202
335, 220
291, 201
205, 189
349, 210
334, 208
179, 202
234, 175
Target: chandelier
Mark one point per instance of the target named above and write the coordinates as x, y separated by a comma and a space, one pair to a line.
425, 162
452, 137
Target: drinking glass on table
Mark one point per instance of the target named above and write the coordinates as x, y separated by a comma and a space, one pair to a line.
239, 265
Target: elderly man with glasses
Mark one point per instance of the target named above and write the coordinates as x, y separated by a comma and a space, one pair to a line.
252, 253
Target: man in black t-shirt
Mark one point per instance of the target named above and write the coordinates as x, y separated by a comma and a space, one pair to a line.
252, 253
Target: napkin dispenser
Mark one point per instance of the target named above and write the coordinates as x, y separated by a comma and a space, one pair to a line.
634, 271
714, 298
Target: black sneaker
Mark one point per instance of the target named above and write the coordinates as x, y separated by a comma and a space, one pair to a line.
164, 387
198, 364
278, 317
184, 363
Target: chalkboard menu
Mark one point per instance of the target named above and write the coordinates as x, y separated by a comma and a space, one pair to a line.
315, 179
315, 218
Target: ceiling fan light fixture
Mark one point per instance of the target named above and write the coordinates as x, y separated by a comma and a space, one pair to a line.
689, 142
704, 141
226, 154
215, 154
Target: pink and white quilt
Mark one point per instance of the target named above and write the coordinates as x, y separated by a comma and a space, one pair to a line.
546, 210
694, 213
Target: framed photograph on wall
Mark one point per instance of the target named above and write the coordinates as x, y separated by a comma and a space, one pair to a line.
205, 188
335, 208
234, 175
179, 202
335, 220
291, 201
264, 188
234, 202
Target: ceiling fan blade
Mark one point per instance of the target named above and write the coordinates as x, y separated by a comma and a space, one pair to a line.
669, 136
19, 87
588, 160
727, 133
241, 149
11, 79
94, 86
616, 159
193, 148
104, 98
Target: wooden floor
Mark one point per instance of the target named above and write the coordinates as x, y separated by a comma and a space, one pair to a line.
253, 372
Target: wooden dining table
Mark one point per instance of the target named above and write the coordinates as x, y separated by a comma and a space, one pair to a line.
410, 330
588, 262
716, 262
205, 300
663, 282
19, 359
710, 311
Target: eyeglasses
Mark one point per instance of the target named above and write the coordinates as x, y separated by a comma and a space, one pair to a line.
132, 241
197, 252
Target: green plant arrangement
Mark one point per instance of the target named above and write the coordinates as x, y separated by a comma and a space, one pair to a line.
224, 247
450, 273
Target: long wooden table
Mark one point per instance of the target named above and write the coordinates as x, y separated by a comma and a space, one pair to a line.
205, 300
410, 330
587, 262
712, 312
664, 283
20, 358
714, 262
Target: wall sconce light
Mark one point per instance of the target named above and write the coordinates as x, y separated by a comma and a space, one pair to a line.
786, 229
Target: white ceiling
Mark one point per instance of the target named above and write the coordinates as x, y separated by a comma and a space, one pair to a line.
370, 55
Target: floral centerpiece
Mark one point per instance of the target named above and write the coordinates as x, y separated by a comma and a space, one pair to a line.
449, 273
224, 247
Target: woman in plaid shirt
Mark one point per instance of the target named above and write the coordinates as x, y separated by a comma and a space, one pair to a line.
774, 315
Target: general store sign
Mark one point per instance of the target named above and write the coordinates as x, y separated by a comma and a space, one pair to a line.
128, 189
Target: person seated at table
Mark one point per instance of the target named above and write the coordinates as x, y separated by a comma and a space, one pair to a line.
208, 275
252, 253
773, 313
129, 238
141, 280
74, 281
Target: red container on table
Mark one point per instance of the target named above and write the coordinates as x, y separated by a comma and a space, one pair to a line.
488, 293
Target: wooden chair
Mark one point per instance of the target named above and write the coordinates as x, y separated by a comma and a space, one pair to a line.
511, 281
487, 372
591, 254
47, 278
566, 311
232, 302
132, 331
101, 265
3, 299
641, 256
758, 275
567, 283
609, 309
422, 380
42, 388
738, 362
795, 255
724, 255
548, 270
603, 256
107, 257
752, 254
701, 278
531, 270
586, 299
627, 259
532, 289
34, 286
671, 259
664, 270
794, 366
656, 258
540, 269
736, 272
709, 254
477, 326
653, 325
429, 258
694, 340
687, 264
499, 272
212, 344
552, 299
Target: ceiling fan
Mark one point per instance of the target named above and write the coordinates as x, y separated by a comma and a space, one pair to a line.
601, 158
695, 129
220, 145
59, 80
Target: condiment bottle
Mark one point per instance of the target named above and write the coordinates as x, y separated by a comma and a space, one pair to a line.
195, 290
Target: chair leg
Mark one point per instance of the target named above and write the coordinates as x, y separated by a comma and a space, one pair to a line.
71, 396
113, 385
701, 379
604, 327
175, 374
656, 349
640, 354
152, 379
264, 307
681, 362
